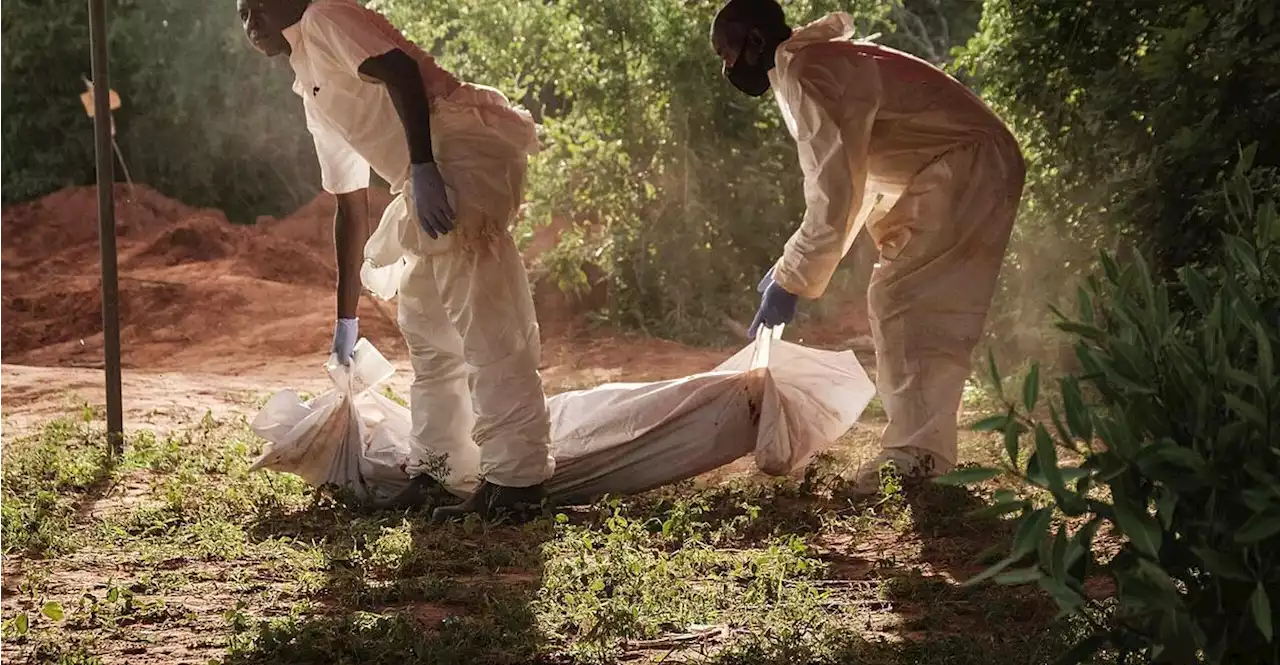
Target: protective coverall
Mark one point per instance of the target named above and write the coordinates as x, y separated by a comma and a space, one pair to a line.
465, 307
889, 142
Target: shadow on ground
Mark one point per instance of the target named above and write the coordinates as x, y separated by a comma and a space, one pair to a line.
251, 569
900, 559
397, 587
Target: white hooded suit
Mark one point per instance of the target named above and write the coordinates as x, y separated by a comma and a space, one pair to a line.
889, 142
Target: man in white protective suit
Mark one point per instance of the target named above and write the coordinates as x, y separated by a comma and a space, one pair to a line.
889, 142
455, 154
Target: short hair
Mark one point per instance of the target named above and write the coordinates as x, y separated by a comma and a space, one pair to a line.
764, 14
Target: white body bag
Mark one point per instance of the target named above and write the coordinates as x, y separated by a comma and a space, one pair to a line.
781, 402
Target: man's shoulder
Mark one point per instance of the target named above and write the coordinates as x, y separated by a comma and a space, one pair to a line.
329, 7
834, 65
346, 22
833, 56
866, 61
327, 13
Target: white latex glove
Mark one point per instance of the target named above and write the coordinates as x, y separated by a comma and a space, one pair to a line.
429, 199
345, 335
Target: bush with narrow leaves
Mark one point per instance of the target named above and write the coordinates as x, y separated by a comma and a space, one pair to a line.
1170, 438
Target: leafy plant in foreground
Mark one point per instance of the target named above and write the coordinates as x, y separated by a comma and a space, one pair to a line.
1171, 439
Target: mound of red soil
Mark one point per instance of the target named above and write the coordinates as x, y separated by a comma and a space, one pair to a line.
44, 316
68, 220
201, 237
207, 237
195, 290
312, 224
275, 259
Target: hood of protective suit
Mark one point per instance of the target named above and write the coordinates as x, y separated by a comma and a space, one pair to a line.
835, 27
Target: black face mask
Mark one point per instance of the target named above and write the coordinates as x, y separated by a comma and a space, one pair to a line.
751, 79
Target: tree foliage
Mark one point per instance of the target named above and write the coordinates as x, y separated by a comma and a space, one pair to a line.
204, 118
46, 52
678, 187
932, 29
1135, 109
1169, 438
213, 121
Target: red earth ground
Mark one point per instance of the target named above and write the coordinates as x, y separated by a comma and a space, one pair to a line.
214, 314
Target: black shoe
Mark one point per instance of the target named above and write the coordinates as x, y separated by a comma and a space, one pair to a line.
416, 494
491, 501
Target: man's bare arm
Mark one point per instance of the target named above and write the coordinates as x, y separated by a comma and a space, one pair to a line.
400, 73
350, 231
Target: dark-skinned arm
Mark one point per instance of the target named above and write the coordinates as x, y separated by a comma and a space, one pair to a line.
350, 231
400, 73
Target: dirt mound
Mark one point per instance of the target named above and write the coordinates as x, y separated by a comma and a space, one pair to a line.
190, 321
201, 237
195, 290
268, 257
42, 317
207, 237
312, 224
72, 310
68, 219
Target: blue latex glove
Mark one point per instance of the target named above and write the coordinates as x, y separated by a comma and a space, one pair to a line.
434, 212
777, 305
345, 334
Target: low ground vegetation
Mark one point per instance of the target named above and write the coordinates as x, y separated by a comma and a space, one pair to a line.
175, 553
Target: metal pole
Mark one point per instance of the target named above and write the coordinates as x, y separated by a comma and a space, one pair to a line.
106, 223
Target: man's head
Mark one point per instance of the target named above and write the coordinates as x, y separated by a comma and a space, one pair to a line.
745, 34
264, 22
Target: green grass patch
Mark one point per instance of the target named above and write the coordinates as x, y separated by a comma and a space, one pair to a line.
176, 552
47, 478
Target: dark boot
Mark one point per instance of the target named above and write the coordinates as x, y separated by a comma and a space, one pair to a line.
415, 494
491, 501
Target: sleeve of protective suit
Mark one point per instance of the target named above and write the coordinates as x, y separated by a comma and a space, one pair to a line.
341, 32
833, 101
342, 169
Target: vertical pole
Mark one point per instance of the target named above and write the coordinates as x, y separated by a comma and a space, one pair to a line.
106, 223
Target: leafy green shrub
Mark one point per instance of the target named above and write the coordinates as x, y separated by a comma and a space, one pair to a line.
678, 188
1171, 439
1128, 113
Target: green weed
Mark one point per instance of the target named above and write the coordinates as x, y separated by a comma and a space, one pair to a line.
183, 545
47, 476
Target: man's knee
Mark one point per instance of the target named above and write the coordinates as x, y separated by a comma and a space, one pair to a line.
429, 358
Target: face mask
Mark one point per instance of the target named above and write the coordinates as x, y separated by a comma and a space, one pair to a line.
752, 80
